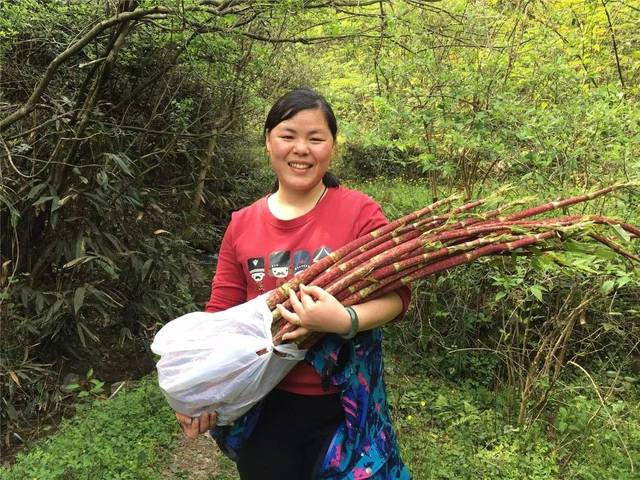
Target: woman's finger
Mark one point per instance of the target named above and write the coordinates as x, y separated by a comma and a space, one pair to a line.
297, 333
288, 316
193, 430
314, 291
205, 422
307, 300
295, 303
184, 419
213, 419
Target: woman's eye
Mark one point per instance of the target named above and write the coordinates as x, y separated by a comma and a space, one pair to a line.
317, 139
286, 137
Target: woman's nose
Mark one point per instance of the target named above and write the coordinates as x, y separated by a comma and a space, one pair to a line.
300, 146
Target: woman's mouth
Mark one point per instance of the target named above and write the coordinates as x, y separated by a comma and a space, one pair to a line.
300, 166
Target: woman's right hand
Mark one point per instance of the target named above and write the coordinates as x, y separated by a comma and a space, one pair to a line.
194, 426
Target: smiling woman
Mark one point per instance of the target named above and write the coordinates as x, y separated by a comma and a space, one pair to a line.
323, 420
300, 149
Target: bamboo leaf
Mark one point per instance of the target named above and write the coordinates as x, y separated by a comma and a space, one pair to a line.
79, 261
42, 200
145, 269
78, 299
607, 287
15, 378
622, 233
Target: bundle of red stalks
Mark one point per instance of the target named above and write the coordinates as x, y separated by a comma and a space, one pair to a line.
438, 238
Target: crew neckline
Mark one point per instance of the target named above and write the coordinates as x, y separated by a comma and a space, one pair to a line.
294, 222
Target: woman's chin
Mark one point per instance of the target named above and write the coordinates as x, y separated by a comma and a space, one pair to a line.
299, 184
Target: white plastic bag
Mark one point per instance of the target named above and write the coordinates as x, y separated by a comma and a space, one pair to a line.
209, 361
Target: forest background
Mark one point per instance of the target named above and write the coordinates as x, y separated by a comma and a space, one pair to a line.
130, 129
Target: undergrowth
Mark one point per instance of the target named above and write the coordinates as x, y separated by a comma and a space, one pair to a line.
447, 429
126, 437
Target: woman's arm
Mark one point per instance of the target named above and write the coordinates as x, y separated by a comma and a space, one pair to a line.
319, 311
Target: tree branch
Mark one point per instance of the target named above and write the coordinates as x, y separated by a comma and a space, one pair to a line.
70, 51
615, 44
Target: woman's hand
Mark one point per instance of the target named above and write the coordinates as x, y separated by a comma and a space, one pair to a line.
194, 426
315, 311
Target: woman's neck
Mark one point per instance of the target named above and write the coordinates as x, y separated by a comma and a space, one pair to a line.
290, 204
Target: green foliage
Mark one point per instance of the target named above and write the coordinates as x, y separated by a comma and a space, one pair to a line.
97, 217
446, 428
370, 161
126, 437
490, 91
87, 386
102, 234
461, 430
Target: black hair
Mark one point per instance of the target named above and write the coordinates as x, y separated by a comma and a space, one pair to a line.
293, 102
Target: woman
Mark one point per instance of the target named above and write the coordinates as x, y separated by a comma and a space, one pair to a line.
328, 418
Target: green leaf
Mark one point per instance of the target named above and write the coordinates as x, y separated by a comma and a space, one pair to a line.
536, 290
78, 298
607, 287
562, 427
42, 200
622, 233
145, 269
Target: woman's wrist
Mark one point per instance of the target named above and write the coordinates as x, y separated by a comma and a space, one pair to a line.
354, 324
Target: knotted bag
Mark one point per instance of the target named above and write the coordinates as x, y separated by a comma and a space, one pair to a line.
222, 362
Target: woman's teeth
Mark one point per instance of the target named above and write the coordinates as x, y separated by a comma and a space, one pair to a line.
299, 165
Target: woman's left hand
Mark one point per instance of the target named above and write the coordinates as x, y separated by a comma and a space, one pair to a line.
315, 311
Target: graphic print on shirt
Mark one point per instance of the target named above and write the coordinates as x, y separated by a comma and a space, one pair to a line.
256, 268
301, 261
321, 253
279, 263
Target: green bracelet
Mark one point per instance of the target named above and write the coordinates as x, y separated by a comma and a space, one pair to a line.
354, 324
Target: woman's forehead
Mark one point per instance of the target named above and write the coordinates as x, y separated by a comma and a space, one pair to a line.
308, 120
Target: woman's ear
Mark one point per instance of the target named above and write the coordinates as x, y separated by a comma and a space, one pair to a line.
267, 143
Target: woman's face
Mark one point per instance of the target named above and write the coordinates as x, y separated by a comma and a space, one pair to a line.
300, 149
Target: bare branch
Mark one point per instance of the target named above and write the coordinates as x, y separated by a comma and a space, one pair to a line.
613, 41
70, 51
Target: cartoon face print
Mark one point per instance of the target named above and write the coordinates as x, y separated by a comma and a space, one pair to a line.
279, 262
256, 268
301, 261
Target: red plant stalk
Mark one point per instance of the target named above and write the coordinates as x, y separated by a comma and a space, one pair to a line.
402, 268
382, 244
439, 266
403, 225
430, 269
371, 279
530, 212
281, 293
615, 247
433, 241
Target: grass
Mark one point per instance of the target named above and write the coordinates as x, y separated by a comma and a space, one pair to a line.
447, 429
126, 437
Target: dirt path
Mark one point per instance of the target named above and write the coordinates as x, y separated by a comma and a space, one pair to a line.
199, 459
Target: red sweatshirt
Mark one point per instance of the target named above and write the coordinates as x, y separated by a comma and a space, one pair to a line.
260, 252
